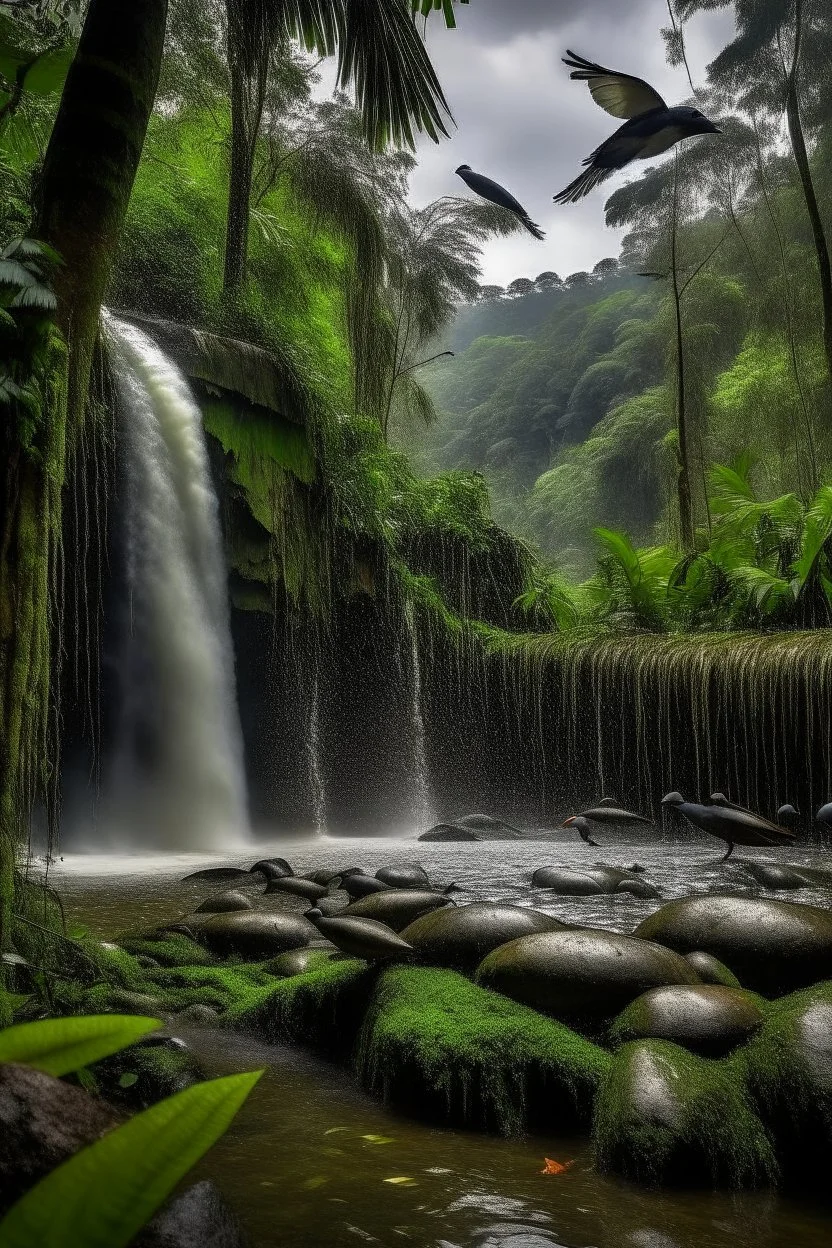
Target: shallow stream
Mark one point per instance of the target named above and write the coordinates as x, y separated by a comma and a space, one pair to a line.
311, 1160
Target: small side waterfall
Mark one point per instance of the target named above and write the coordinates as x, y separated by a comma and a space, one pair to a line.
316, 779
424, 815
177, 779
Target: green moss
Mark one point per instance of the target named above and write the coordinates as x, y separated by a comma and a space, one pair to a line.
174, 950
323, 1008
446, 1048
786, 1066
666, 1116
146, 1073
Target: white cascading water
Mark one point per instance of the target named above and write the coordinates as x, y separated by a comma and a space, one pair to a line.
424, 814
177, 780
316, 778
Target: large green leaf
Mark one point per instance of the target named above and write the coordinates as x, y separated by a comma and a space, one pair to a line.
61, 1045
103, 1195
48, 73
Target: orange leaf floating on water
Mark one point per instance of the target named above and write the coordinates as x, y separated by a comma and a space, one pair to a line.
555, 1167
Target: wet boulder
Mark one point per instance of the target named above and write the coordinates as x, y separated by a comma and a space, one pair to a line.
782, 875
198, 1218
407, 875
296, 887
272, 868
488, 828
447, 832
216, 874
397, 907
773, 947
357, 884
223, 903
459, 937
667, 1116
198, 1016
592, 881
250, 935
706, 1018
582, 976
789, 1073
710, 970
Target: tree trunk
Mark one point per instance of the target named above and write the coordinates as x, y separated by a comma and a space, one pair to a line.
91, 163
248, 96
801, 156
82, 199
686, 523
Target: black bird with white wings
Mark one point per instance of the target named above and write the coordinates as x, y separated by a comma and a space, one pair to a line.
496, 194
650, 127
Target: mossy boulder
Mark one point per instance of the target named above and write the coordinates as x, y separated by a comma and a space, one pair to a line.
323, 1008
788, 1066
773, 947
438, 1046
249, 934
583, 976
709, 1019
397, 907
664, 1116
459, 937
299, 961
168, 949
710, 970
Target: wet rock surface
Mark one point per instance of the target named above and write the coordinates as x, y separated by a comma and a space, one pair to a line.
773, 947
199, 1218
397, 907
251, 934
710, 970
224, 903
459, 937
580, 975
709, 1018
590, 881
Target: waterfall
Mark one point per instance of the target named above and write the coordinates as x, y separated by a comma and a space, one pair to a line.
176, 779
424, 815
316, 780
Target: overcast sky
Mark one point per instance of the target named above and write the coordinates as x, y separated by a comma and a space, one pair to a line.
520, 120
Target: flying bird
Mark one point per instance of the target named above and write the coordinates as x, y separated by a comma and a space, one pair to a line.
496, 194
650, 126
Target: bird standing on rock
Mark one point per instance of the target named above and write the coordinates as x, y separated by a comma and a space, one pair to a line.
496, 194
732, 825
650, 127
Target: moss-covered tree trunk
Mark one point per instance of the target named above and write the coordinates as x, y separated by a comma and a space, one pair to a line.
248, 76
84, 190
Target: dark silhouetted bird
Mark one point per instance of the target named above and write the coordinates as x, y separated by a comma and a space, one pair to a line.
732, 824
496, 194
650, 127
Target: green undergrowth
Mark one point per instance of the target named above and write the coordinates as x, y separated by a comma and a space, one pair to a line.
174, 950
788, 1069
323, 1008
437, 1044
664, 1116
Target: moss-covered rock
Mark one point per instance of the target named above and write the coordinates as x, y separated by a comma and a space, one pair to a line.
583, 976
323, 1008
665, 1116
170, 949
788, 1066
710, 970
709, 1019
250, 934
774, 947
443, 1048
299, 961
147, 1072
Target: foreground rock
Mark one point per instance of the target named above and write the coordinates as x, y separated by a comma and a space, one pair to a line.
42, 1122
299, 961
581, 975
249, 935
408, 875
440, 1047
666, 1116
592, 881
789, 1070
710, 970
224, 903
199, 1218
397, 907
708, 1019
459, 937
772, 947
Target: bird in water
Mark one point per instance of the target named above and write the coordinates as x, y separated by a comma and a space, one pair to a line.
360, 937
650, 126
496, 194
582, 826
735, 826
